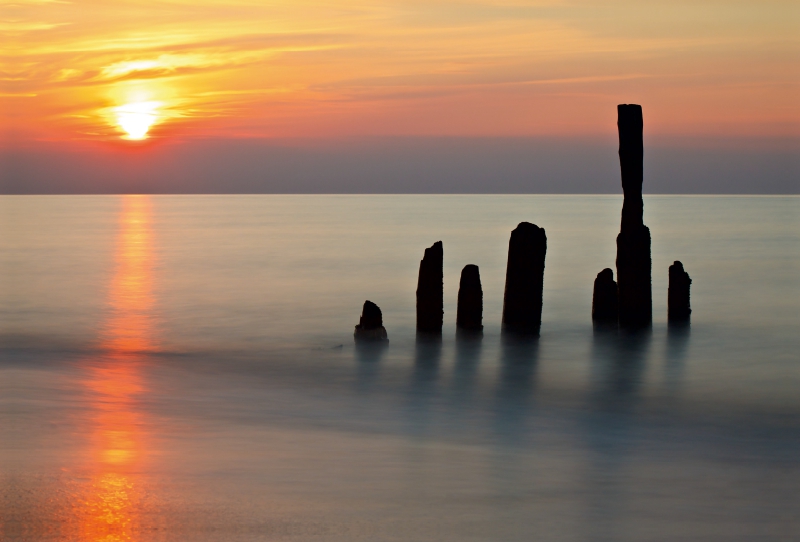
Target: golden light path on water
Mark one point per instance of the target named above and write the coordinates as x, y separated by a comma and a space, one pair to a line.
119, 435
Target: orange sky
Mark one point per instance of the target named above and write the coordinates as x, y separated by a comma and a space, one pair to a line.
183, 69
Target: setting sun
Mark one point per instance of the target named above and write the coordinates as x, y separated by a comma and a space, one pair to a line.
135, 119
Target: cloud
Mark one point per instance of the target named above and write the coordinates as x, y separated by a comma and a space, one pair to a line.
18, 27
422, 67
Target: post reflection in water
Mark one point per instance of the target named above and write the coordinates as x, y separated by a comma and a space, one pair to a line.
115, 381
678, 335
423, 390
368, 365
519, 360
611, 436
465, 372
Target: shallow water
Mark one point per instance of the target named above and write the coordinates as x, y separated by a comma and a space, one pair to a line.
183, 368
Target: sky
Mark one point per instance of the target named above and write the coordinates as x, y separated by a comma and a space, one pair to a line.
396, 96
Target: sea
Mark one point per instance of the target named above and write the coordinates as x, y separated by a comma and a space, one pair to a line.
183, 368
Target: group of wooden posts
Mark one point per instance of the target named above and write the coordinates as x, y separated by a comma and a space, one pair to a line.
626, 303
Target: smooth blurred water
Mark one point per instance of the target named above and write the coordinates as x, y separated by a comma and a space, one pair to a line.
183, 368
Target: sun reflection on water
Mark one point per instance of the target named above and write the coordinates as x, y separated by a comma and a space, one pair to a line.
119, 427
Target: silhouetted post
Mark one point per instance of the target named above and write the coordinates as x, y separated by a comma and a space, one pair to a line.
470, 300
430, 290
604, 299
635, 296
370, 326
522, 302
678, 308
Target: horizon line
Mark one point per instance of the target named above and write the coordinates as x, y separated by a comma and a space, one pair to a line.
607, 194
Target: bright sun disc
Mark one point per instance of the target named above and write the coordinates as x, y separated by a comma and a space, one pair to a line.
137, 118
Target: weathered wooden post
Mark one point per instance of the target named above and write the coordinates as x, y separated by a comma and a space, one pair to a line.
634, 282
678, 307
370, 325
430, 290
522, 301
470, 300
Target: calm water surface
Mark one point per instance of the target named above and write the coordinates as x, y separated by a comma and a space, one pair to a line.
182, 368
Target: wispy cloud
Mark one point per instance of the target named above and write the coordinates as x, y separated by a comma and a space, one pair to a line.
19, 27
413, 66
